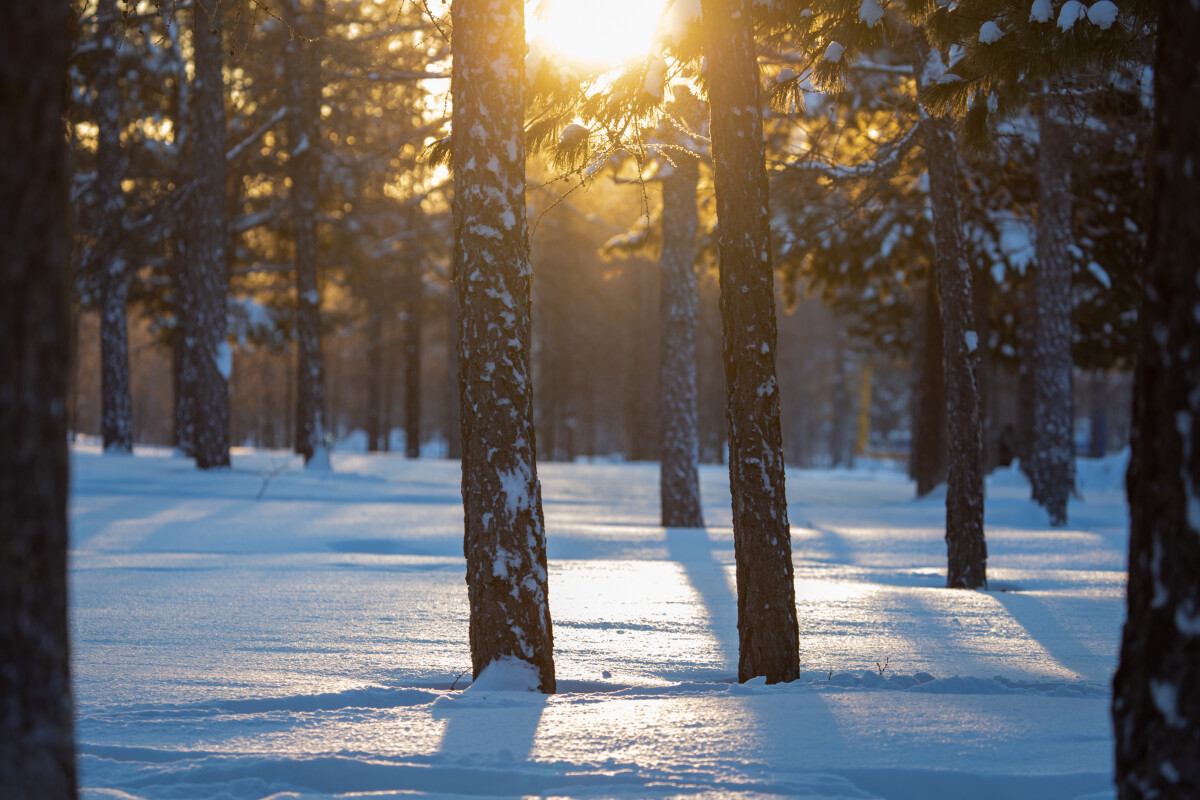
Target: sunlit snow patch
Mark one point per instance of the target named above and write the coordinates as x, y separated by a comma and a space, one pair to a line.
507, 674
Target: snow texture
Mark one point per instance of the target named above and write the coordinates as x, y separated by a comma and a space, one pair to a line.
989, 32
1103, 14
306, 644
1071, 12
834, 52
1041, 11
870, 13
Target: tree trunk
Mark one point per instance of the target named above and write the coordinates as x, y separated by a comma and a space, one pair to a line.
927, 462
767, 630
840, 400
374, 377
453, 430
679, 482
1053, 456
116, 413
37, 754
1027, 326
207, 357
1156, 691
965, 546
415, 297
304, 169
505, 539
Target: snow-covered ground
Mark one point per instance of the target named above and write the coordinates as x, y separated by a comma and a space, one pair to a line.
312, 642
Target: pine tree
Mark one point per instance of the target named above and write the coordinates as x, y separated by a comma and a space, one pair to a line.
206, 353
113, 269
37, 758
505, 541
1156, 691
767, 628
304, 168
679, 482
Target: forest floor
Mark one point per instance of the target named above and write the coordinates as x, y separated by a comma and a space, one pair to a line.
311, 642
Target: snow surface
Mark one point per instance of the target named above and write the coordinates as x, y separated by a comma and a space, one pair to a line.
313, 643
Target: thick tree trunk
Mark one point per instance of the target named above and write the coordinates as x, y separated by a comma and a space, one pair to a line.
927, 463
304, 169
414, 300
184, 392
505, 539
116, 414
37, 755
453, 430
679, 482
767, 630
1053, 452
207, 358
965, 546
1156, 692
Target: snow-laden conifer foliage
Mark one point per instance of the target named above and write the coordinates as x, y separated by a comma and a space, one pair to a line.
505, 540
37, 756
1156, 692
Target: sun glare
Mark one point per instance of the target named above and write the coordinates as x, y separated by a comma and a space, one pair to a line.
595, 33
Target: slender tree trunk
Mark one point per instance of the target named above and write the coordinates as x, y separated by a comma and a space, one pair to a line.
207, 356
1025, 377
304, 169
116, 414
37, 753
767, 630
927, 464
1053, 452
840, 399
679, 481
374, 377
505, 539
965, 546
1156, 691
450, 421
415, 298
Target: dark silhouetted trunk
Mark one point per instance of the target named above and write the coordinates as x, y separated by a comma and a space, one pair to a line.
1156, 692
304, 169
842, 411
679, 482
116, 407
966, 549
414, 299
505, 538
927, 462
450, 420
37, 754
767, 631
207, 359
1053, 457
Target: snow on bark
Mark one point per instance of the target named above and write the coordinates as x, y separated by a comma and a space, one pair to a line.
509, 613
205, 268
767, 629
304, 168
37, 758
679, 482
1156, 691
116, 407
966, 549
1052, 470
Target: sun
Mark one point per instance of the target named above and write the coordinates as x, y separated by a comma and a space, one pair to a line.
595, 33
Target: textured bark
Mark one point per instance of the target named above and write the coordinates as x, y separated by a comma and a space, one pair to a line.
415, 295
927, 465
205, 348
1156, 692
37, 758
1025, 377
505, 539
453, 430
304, 168
116, 407
679, 482
768, 637
1053, 458
965, 547
185, 393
